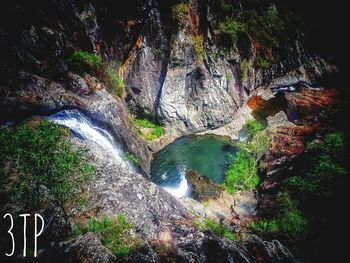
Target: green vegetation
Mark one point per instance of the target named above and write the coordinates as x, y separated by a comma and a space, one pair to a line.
41, 166
245, 67
132, 158
147, 129
217, 228
263, 26
82, 62
231, 29
289, 223
113, 82
115, 234
198, 45
264, 63
242, 174
224, 7
179, 10
253, 127
307, 203
328, 168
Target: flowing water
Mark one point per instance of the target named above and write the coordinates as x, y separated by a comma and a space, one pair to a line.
209, 155
83, 127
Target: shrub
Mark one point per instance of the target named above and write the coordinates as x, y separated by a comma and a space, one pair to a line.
264, 63
115, 234
232, 29
242, 173
245, 67
198, 45
82, 62
179, 10
224, 7
259, 144
43, 162
147, 129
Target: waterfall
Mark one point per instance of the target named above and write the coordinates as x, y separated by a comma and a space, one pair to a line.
83, 127
180, 190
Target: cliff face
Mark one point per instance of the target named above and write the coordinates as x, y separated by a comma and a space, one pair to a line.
171, 61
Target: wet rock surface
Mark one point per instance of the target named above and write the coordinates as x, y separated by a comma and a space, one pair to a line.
165, 225
202, 187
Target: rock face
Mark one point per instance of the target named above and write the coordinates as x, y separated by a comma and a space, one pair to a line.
37, 95
164, 224
175, 73
202, 187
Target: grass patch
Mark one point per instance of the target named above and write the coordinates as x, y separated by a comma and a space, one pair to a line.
242, 173
115, 84
45, 166
217, 228
82, 62
132, 158
147, 129
115, 234
252, 127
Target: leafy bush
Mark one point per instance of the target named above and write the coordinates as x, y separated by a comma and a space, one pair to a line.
197, 42
82, 62
179, 10
115, 234
147, 129
245, 67
265, 26
264, 63
40, 162
232, 29
242, 173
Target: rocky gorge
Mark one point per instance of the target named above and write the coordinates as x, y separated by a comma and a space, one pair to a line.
192, 68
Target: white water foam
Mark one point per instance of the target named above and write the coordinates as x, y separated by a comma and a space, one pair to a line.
182, 190
81, 125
